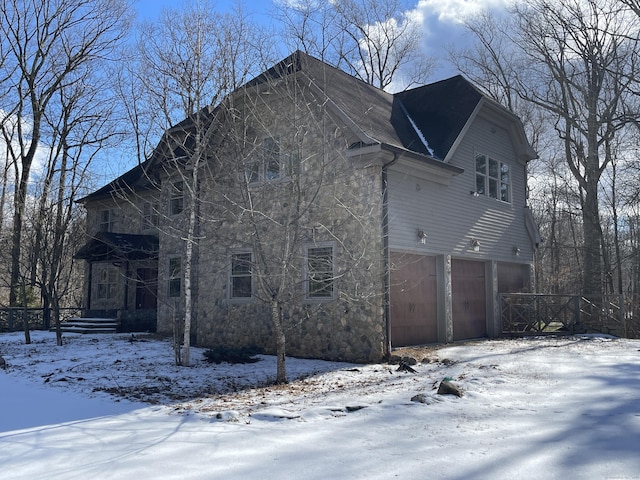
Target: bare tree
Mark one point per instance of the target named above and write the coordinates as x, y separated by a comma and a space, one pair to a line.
188, 61
287, 211
47, 47
574, 61
84, 123
376, 41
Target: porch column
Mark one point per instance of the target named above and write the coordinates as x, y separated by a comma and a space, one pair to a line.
445, 303
89, 285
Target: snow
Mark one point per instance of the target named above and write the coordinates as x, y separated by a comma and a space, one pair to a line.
115, 407
418, 132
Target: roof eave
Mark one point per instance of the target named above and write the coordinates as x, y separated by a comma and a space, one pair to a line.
427, 160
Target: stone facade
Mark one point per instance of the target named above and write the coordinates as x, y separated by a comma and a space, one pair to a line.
338, 203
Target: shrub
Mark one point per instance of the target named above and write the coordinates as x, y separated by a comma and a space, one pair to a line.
232, 355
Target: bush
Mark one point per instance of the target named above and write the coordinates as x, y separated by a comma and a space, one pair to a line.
232, 355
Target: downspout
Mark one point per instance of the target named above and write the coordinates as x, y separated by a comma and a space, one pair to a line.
386, 274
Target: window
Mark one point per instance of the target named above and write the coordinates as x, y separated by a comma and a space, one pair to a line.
493, 178
241, 281
271, 164
149, 216
175, 277
271, 152
176, 202
107, 283
320, 276
106, 224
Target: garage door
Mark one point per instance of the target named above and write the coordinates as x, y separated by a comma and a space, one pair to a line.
469, 307
413, 297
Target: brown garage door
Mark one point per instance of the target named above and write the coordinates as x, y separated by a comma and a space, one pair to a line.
413, 296
469, 300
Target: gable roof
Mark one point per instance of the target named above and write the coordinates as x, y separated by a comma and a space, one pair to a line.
441, 110
135, 179
425, 121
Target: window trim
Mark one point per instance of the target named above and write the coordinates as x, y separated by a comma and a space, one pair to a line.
308, 297
231, 276
105, 225
257, 169
174, 277
110, 284
176, 198
150, 217
500, 185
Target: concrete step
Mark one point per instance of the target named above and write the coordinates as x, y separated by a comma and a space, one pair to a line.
89, 325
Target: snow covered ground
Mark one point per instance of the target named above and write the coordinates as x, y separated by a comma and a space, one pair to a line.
115, 407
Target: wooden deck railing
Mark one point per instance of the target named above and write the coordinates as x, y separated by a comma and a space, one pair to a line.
538, 314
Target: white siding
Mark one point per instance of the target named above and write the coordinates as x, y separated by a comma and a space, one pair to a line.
451, 216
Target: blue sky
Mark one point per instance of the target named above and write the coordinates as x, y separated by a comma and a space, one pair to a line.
440, 20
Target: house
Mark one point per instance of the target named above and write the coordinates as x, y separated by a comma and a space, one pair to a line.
376, 220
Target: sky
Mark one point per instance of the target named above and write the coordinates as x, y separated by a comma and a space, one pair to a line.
115, 407
440, 20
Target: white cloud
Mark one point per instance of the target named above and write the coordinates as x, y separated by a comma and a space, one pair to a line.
41, 154
456, 11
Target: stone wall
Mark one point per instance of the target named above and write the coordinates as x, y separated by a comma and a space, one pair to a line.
338, 203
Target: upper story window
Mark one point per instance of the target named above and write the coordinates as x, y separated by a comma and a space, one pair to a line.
106, 221
493, 178
149, 215
241, 276
107, 283
320, 276
271, 163
176, 201
175, 276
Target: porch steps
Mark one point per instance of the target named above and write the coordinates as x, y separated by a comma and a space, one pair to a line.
89, 325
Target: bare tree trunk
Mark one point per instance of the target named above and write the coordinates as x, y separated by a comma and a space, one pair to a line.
280, 338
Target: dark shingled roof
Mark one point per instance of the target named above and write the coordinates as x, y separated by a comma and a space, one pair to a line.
119, 246
133, 180
433, 114
439, 110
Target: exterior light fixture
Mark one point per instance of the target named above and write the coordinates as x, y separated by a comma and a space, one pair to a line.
475, 244
422, 236
516, 250
473, 193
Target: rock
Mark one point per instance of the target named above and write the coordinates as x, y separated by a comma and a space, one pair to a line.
405, 367
354, 408
396, 360
420, 398
426, 399
448, 388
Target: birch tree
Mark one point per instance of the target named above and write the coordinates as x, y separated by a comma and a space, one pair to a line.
290, 210
186, 63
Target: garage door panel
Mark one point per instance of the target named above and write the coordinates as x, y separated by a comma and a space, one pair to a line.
469, 299
413, 297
